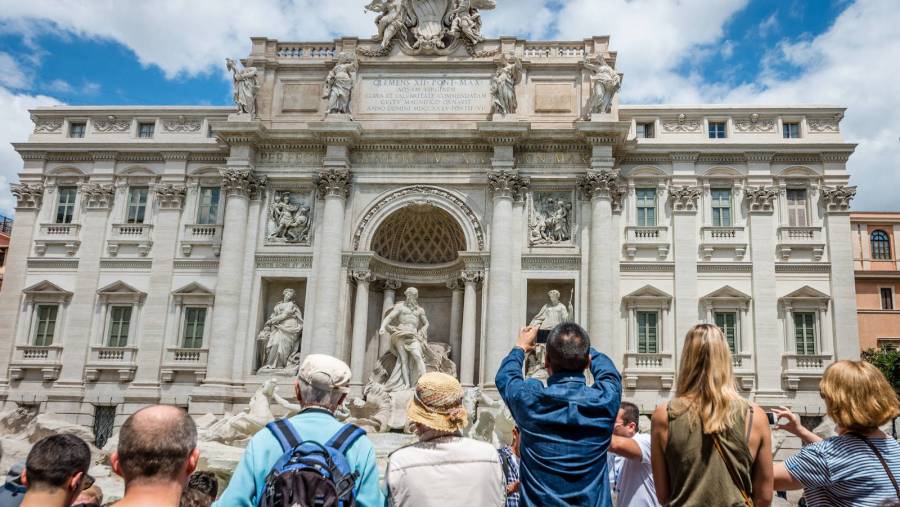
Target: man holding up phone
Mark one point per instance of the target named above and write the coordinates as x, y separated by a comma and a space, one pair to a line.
565, 426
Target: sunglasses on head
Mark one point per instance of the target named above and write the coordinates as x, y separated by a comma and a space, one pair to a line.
87, 481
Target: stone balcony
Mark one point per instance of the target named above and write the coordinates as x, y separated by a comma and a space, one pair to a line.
792, 239
801, 368
743, 370
118, 360
732, 239
644, 369
202, 235
47, 360
638, 238
66, 236
181, 360
136, 235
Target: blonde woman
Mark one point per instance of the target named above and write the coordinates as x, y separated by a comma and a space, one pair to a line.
709, 445
858, 467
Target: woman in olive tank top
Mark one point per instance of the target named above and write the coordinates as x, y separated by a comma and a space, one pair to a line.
710, 447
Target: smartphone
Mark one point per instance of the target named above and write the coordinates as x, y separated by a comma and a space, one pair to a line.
771, 417
542, 336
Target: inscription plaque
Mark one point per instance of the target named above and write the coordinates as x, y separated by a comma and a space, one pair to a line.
425, 95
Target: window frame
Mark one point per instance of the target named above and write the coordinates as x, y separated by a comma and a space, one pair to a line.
36, 325
82, 124
643, 127
140, 129
638, 208
70, 207
183, 335
111, 322
639, 328
884, 251
735, 344
143, 206
814, 327
788, 126
714, 132
717, 220
213, 210
887, 303
791, 218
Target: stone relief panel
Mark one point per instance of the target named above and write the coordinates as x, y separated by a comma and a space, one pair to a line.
551, 218
425, 95
755, 124
681, 124
182, 125
290, 217
825, 125
47, 125
111, 125
422, 156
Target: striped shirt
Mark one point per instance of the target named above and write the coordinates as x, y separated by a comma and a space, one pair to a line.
843, 471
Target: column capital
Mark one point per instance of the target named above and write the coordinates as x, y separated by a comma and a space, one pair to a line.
362, 276
98, 196
241, 182
684, 199
837, 199
604, 184
333, 183
473, 277
508, 184
455, 284
761, 199
170, 196
28, 195
387, 285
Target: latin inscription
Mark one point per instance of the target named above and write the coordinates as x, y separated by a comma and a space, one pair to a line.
426, 95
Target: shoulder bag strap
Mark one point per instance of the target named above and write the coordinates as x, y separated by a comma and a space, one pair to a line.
881, 459
731, 471
285, 433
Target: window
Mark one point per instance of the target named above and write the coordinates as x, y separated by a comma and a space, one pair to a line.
209, 132
2, 257
45, 325
208, 213
727, 322
721, 207
887, 298
194, 323
791, 130
65, 205
646, 207
881, 246
644, 130
77, 128
137, 204
796, 207
119, 326
717, 130
104, 423
145, 130
647, 332
889, 344
805, 332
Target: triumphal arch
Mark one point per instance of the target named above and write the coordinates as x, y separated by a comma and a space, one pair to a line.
188, 254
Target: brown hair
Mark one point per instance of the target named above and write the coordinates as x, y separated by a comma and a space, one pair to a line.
706, 380
857, 396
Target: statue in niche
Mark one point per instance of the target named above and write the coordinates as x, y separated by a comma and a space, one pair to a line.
246, 86
389, 21
551, 315
406, 326
466, 21
339, 84
503, 84
605, 83
291, 220
280, 335
551, 221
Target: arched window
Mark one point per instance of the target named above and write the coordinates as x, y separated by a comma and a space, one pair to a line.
881, 246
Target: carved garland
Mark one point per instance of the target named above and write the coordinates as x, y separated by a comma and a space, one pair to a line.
420, 189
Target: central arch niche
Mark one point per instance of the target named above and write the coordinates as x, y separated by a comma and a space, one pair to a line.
419, 234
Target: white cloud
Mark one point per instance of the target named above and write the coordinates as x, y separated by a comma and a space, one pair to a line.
11, 73
60, 86
15, 125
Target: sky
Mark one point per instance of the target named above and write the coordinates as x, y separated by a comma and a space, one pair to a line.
774, 52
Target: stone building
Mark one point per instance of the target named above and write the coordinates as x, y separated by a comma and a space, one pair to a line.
151, 243
875, 242
5, 231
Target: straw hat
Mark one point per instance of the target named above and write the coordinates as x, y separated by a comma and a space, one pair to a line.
437, 403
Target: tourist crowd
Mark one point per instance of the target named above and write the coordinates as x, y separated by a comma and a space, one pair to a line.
576, 443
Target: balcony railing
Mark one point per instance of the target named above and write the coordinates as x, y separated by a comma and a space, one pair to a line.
198, 235
801, 238
65, 235
648, 361
29, 357
646, 237
797, 367
138, 235
553, 50
192, 361
722, 238
6, 224
120, 360
305, 51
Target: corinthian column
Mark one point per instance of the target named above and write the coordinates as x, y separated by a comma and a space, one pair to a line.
238, 185
360, 322
605, 191
333, 186
506, 185
469, 328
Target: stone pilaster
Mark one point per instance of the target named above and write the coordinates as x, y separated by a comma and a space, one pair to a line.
469, 328
685, 231
360, 323
456, 301
837, 201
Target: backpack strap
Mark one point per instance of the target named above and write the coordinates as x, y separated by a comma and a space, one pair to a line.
285, 433
344, 439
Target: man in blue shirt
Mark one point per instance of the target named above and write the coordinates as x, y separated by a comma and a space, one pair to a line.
565, 427
321, 386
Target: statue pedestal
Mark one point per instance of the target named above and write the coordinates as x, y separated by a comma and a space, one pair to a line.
337, 118
508, 118
240, 117
604, 117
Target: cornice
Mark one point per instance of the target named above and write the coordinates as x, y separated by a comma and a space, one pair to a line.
789, 267
722, 158
645, 267
685, 156
175, 155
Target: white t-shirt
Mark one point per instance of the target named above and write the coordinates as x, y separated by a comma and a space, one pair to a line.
634, 481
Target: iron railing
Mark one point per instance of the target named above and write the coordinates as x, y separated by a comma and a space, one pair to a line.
6, 224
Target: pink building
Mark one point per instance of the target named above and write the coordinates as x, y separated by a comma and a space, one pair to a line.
876, 239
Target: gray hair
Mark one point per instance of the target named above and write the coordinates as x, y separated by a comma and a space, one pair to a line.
312, 395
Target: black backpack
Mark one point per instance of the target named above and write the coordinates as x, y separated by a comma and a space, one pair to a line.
310, 474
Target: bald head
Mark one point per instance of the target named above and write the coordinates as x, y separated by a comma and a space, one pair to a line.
155, 443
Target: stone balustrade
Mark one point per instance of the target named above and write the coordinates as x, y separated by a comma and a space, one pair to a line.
637, 238
137, 235
47, 360
554, 50
315, 51
791, 239
202, 235
119, 360
66, 236
183, 360
723, 238
799, 367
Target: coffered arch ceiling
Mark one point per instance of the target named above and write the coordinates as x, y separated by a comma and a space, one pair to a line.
419, 234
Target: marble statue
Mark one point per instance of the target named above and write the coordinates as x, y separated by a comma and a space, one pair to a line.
503, 85
237, 429
605, 83
246, 87
290, 220
466, 21
339, 84
406, 326
550, 316
389, 20
551, 221
282, 334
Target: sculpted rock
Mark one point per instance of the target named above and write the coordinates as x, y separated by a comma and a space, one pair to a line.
46, 425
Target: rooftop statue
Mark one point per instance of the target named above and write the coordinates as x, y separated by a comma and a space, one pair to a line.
605, 83
246, 86
339, 84
503, 84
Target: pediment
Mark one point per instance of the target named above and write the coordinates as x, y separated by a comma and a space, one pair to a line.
193, 289
120, 288
648, 292
47, 288
807, 293
726, 292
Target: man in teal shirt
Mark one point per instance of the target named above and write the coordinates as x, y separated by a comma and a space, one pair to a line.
321, 386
